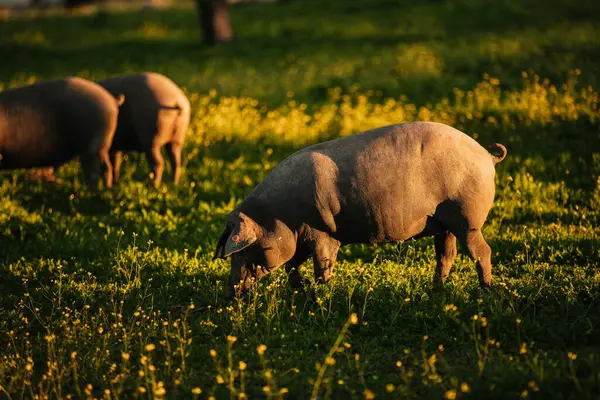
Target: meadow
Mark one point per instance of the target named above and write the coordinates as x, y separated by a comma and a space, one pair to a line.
114, 295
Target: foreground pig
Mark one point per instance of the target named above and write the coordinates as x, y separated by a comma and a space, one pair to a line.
49, 123
156, 113
388, 184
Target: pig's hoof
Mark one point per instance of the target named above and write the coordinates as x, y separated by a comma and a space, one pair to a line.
439, 282
486, 285
301, 286
297, 282
438, 287
44, 175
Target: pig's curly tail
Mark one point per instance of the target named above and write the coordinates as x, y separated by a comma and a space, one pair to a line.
497, 146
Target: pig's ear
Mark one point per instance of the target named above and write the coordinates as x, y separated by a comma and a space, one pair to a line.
245, 233
220, 250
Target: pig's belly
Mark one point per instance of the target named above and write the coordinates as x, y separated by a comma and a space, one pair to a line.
363, 229
15, 161
126, 139
35, 153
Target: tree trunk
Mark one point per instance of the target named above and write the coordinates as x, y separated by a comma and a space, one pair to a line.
214, 21
71, 4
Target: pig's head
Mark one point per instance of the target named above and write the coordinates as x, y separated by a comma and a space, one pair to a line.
255, 251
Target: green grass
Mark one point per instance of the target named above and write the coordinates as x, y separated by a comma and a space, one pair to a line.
116, 294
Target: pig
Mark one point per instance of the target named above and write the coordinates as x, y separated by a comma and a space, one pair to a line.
389, 184
49, 123
156, 113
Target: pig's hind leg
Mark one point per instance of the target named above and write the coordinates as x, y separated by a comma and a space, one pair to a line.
174, 154
157, 163
152, 138
472, 240
106, 166
445, 247
445, 252
116, 159
481, 252
465, 220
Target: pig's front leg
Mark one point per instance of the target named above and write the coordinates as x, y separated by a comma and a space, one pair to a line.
324, 257
291, 268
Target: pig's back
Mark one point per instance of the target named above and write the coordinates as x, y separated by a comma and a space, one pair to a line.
147, 91
153, 104
401, 176
414, 158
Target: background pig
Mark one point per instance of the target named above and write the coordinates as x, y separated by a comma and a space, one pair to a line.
156, 113
389, 184
49, 123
